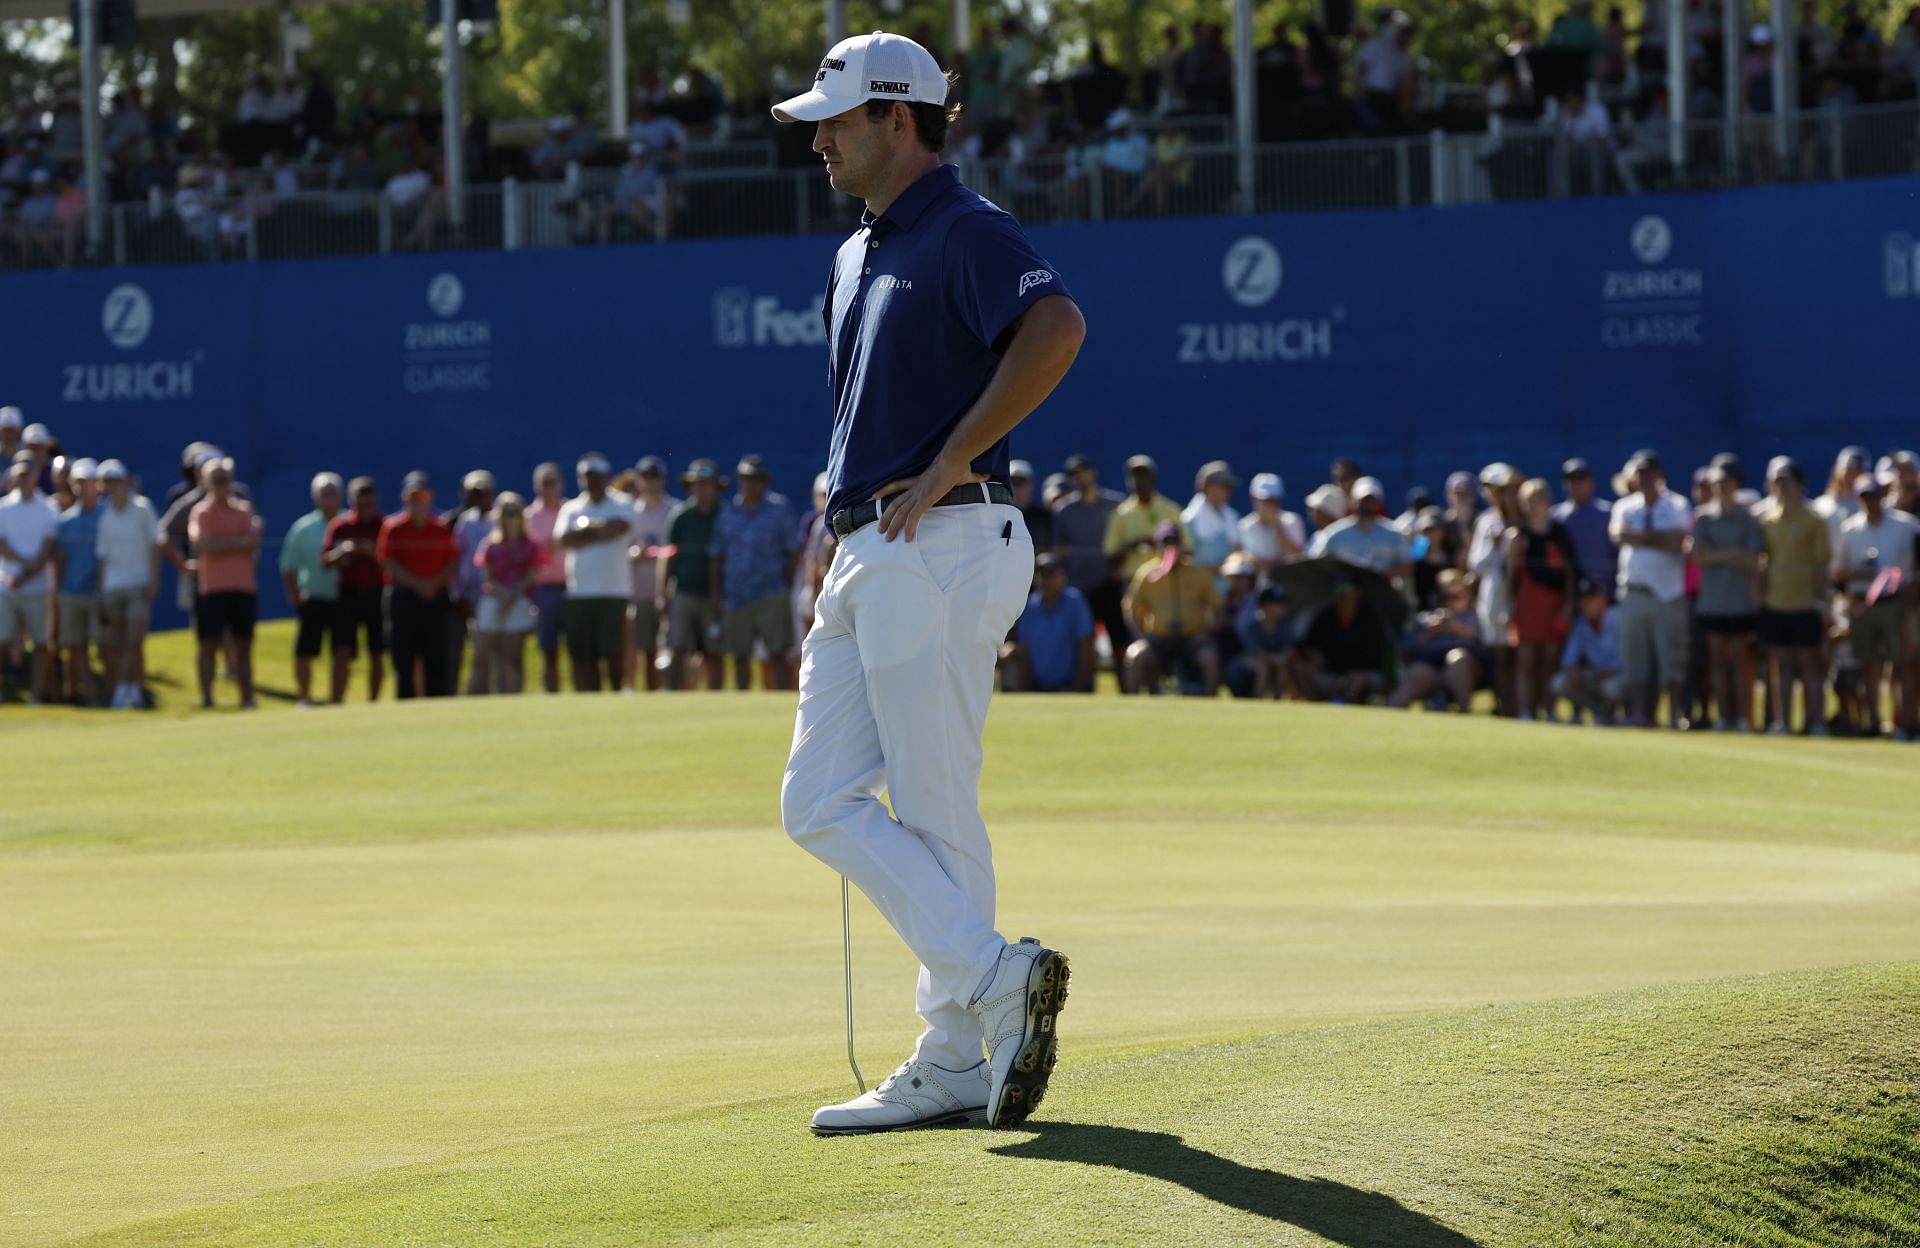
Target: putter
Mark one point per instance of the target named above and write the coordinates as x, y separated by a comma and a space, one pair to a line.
846, 949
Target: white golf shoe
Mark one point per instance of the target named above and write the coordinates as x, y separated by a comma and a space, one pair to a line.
919, 1094
1018, 1012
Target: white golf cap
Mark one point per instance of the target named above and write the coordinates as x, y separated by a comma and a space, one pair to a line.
1267, 485
878, 66
326, 481
83, 470
11, 418
36, 435
593, 464
113, 470
1369, 487
478, 479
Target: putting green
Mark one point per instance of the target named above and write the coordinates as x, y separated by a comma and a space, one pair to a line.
314, 977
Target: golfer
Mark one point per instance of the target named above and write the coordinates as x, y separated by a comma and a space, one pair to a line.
944, 330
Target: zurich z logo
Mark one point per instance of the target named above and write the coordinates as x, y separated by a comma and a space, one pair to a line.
1039, 277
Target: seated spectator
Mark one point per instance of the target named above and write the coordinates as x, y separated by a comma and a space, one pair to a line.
1726, 544
1212, 524
1270, 536
416, 200
1343, 657
1441, 652
665, 138
1541, 572
550, 158
636, 206
36, 223
1052, 646
1171, 603
1266, 646
1365, 539
1590, 676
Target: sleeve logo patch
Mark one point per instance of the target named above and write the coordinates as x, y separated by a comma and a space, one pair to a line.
1038, 277
883, 86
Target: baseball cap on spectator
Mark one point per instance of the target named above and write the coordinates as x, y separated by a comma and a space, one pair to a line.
1904, 459
113, 470
1139, 463
415, 482
1239, 563
1706, 476
1019, 470
208, 453
36, 435
1048, 562
1784, 466
1867, 483
1883, 470
1587, 585
1268, 485
651, 464
1120, 118
1459, 482
703, 470
1575, 468
752, 466
1216, 472
593, 464
325, 480
1429, 518
84, 470
478, 479
1076, 462
11, 418
1498, 475
1167, 531
1273, 595
1328, 498
1369, 487
1419, 498
878, 66
1729, 463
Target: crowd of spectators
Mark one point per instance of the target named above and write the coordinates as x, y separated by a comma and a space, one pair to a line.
1700, 607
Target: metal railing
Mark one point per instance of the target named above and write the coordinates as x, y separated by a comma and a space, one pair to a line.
1506, 163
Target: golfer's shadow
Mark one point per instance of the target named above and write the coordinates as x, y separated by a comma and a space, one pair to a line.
1345, 1215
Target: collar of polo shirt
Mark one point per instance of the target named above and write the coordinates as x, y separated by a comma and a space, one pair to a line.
914, 201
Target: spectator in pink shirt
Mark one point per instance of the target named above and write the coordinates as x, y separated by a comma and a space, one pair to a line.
550, 582
509, 562
224, 535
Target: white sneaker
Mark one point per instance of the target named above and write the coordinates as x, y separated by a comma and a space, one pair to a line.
919, 1094
1018, 1012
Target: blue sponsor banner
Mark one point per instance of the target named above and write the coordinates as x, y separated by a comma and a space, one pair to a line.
1419, 342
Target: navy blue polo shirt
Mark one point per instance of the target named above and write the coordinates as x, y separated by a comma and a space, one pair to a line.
916, 308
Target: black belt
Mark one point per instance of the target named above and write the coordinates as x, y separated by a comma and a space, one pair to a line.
860, 515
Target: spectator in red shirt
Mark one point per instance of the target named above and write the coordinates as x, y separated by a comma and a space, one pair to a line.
350, 550
416, 549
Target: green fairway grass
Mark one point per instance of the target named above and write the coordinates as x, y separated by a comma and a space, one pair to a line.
547, 971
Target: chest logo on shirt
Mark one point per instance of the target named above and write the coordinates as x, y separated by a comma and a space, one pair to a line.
892, 283
1037, 277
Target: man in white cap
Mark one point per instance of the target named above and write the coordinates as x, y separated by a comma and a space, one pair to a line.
76, 562
129, 546
945, 329
593, 530
28, 527
1364, 538
313, 587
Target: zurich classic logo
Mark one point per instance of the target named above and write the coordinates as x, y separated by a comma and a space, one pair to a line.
1651, 239
445, 294
127, 316
1251, 272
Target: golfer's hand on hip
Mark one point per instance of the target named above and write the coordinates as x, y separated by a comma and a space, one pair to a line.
921, 493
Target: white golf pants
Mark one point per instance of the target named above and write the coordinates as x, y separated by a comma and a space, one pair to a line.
895, 676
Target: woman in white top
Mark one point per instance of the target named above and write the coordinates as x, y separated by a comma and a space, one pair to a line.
1211, 522
1270, 536
1838, 504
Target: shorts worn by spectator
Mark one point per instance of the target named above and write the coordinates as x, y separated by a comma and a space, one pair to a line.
756, 545
593, 530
